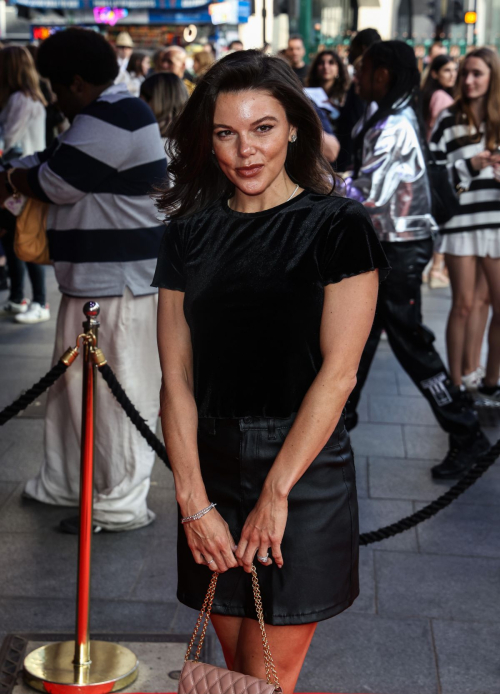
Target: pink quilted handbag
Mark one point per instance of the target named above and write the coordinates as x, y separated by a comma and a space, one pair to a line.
201, 678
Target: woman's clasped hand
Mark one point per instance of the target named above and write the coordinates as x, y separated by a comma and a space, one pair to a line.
211, 542
264, 528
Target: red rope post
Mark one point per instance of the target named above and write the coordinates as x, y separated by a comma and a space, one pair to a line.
82, 639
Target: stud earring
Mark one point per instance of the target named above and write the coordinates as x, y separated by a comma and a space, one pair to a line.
213, 151
293, 138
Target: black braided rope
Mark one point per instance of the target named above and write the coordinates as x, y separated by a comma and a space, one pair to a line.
439, 504
34, 392
366, 538
134, 416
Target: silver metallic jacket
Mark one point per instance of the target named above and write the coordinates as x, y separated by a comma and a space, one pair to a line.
392, 182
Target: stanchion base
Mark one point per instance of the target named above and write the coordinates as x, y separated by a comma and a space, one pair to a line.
50, 669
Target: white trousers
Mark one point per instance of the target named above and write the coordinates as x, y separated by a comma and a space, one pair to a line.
123, 460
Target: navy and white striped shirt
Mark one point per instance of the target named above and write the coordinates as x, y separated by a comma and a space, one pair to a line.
454, 146
103, 230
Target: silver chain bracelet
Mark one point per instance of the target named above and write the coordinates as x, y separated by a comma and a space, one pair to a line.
198, 515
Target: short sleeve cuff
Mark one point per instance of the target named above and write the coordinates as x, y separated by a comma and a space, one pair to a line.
167, 285
169, 273
353, 247
383, 272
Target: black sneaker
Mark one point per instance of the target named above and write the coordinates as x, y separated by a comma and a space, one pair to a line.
71, 526
489, 396
461, 457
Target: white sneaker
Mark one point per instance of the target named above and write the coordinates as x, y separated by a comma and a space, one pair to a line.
472, 381
10, 308
35, 314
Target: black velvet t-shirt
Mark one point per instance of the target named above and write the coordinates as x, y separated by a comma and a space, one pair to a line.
253, 301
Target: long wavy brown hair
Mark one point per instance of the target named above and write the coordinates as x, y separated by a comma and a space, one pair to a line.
463, 106
339, 88
18, 74
197, 180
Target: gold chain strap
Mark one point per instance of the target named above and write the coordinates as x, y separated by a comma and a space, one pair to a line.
204, 616
271, 674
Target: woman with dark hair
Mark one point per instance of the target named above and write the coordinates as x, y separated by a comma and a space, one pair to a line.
268, 284
437, 91
166, 94
328, 71
467, 140
137, 69
390, 179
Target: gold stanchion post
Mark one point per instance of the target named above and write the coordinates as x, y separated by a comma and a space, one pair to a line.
83, 665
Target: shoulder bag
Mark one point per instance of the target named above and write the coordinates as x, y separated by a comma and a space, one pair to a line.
444, 199
30, 239
201, 678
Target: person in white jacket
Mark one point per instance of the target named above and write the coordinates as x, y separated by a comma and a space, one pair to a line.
22, 128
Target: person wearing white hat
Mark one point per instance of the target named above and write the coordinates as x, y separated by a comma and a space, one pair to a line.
124, 48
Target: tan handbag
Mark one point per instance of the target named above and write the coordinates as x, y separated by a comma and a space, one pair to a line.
201, 678
30, 240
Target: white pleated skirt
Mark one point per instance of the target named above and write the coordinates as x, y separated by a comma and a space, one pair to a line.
481, 243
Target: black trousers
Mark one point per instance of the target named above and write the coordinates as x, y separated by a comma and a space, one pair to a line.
399, 313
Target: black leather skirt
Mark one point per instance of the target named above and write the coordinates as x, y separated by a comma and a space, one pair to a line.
319, 577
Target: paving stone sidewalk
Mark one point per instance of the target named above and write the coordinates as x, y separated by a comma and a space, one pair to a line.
428, 617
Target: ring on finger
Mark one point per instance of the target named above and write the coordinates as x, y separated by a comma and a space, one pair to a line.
263, 559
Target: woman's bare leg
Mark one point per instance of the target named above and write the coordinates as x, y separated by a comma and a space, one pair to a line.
288, 644
462, 271
476, 324
228, 630
491, 267
438, 265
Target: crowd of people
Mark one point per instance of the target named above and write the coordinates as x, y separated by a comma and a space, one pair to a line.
85, 128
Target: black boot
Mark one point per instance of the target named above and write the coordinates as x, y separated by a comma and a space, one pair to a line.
461, 456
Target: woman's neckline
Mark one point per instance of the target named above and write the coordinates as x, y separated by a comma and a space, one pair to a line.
262, 213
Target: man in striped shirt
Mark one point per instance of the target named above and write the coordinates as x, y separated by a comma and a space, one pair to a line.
104, 237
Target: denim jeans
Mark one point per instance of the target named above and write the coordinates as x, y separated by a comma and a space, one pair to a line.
17, 269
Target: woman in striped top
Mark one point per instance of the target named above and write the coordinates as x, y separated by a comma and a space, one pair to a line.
467, 139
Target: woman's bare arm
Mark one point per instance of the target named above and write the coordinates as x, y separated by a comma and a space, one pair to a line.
348, 313
209, 537
179, 416
347, 319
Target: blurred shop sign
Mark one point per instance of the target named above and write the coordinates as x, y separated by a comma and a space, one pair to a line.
186, 17
229, 12
109, 15
40, 33
115, 5
224, 12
